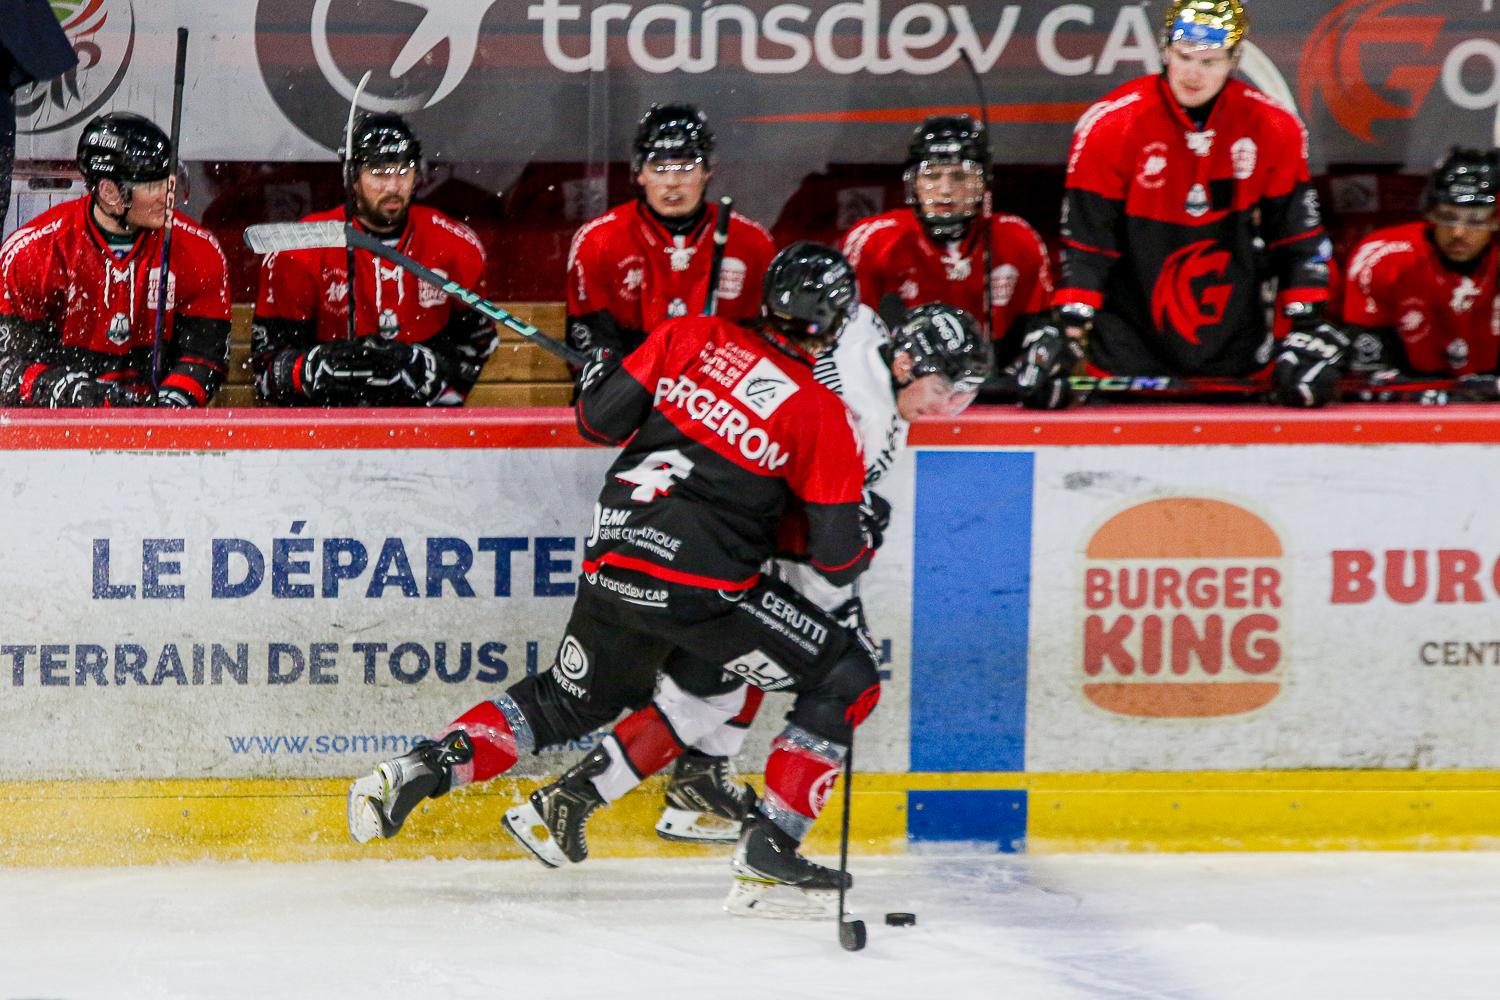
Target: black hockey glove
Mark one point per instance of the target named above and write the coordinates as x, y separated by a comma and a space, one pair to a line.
79, 389
413, 375
1048, 357
601, 362
851, 616
874, 517
1312, 359
169, 397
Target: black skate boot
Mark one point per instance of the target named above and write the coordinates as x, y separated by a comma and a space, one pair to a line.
380, 801
772, 880
552, 824
704, 802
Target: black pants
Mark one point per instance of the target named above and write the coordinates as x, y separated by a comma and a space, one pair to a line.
768, 635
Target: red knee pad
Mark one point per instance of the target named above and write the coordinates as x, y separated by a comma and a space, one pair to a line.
494, 743
648, 741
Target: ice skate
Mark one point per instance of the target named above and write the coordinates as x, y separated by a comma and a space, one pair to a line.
704, 802
772, 880
552, 823
380, 801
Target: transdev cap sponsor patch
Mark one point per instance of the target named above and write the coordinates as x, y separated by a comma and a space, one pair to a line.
1183, 610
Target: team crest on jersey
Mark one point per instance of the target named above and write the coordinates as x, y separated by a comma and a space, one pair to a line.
430, 296
1197, 201
956, 266
1201, 143
676, 308
731, 278
1464, 294
389, 324
119, 329
764, 388
1458, 353
1153, 172
1243, 155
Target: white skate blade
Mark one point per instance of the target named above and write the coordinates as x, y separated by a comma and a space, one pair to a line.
694, 827
364, 807
525, 824
750, 897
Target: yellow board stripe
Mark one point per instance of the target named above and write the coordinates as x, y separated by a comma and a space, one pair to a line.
141, 822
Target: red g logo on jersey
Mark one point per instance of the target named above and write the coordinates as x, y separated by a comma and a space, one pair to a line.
1175, 306
1331, 64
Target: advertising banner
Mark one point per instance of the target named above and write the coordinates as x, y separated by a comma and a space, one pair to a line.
799, 85
1250, 608
267, 613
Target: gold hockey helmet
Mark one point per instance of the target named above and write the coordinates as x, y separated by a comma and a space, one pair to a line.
1205, 24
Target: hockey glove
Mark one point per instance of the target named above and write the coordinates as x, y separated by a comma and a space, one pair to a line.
78, 389
1312, 359
169, 397
601, 362
874, 517
412, 376
1048, 357
341, 372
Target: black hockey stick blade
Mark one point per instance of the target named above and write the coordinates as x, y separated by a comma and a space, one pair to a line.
852, 934
721, 240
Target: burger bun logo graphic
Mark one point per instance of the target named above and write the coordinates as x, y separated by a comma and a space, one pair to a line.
1184, 611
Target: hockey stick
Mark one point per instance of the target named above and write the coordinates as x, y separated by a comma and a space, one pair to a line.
164, 272
851, 932
984, 216
351, 174
1374, 385
276, 237
721, 240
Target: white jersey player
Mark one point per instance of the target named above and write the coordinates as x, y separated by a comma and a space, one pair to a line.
932, 366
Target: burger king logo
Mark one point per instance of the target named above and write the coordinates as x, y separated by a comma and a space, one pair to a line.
1183, 614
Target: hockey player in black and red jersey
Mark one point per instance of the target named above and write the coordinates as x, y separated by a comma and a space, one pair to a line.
413, 345
725, 428
1171, 178
932, 367
934, 250
1420, 297
648, 260
78, 287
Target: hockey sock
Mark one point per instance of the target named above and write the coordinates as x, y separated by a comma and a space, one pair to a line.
729, 738
800, 775
494, 737
647, 744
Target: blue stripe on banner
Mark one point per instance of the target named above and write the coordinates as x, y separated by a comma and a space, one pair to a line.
971, 590
997, 817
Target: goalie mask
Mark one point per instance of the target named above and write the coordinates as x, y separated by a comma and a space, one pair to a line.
1205, 24
947, 175
808, 295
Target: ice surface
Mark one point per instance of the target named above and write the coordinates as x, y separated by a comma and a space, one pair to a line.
1126, 927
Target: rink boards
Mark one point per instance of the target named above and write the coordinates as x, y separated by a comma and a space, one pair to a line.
1198, 629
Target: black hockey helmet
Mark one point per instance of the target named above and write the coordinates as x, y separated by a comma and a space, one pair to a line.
809, 293
943, 140
384, 138
944, 340
1467, 177
949, 139
123, 147
672, 132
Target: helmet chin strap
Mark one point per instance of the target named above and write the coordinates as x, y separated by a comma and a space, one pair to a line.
946, 230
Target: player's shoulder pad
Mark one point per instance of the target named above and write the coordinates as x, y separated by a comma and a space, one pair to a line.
194, 230
594, 229
1394, 245
1112, 115
447, 224
39, 232
736, 219
1275, 118
873, 231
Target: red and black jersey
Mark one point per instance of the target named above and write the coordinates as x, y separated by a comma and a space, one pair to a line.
1443, 318
627, 275
893, 256
73, 305
313, 284
725, 431
303, 299
1159, 225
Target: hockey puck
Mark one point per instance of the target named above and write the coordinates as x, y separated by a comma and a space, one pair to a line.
901, 919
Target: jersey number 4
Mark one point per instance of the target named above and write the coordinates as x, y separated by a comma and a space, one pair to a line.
656, 474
